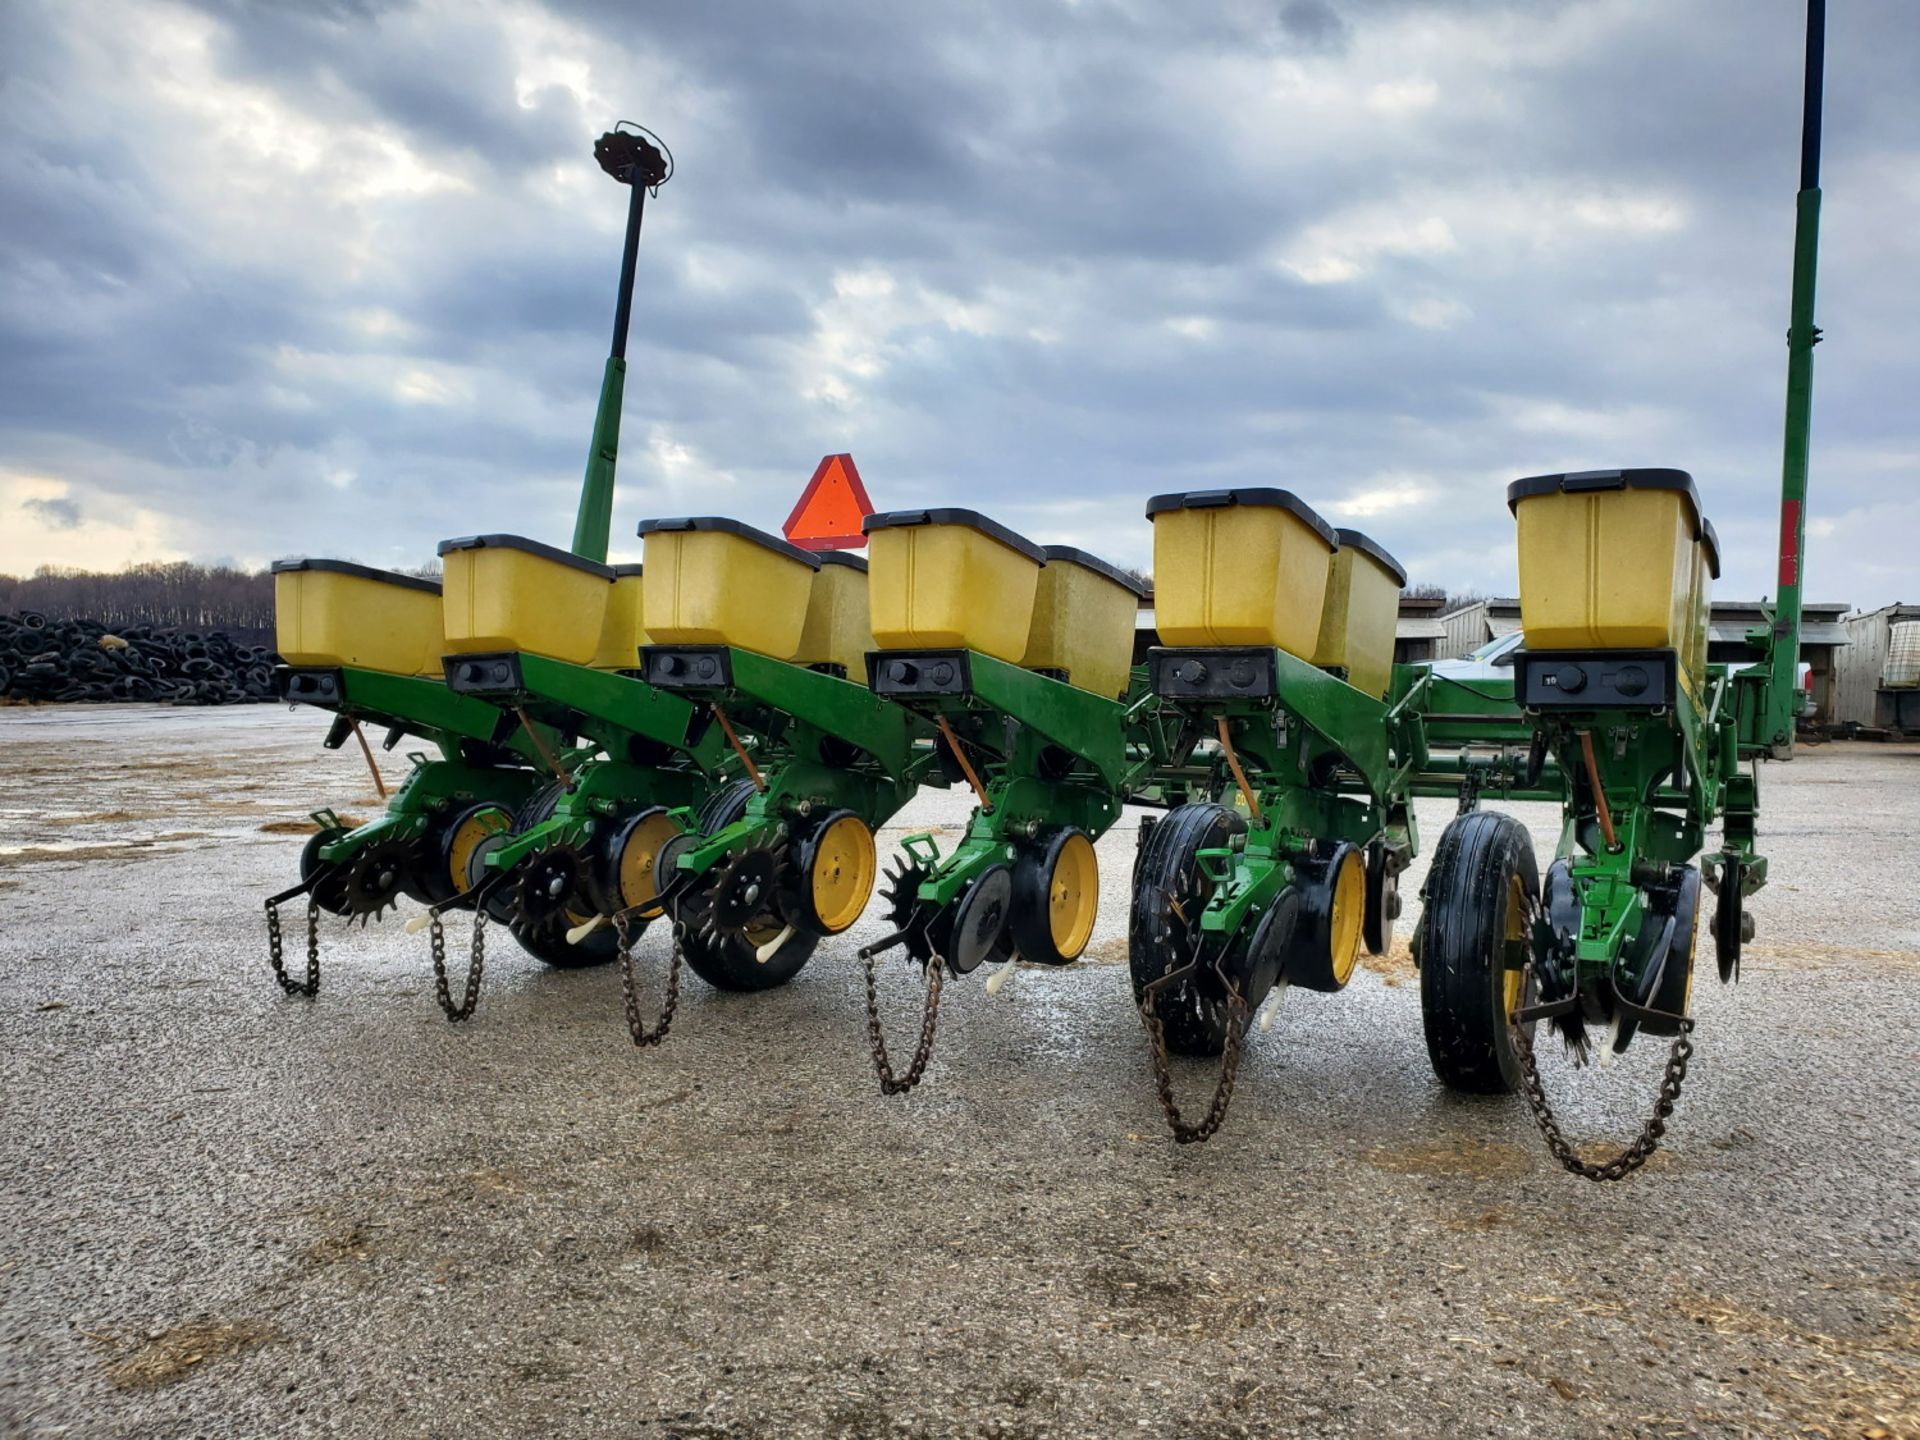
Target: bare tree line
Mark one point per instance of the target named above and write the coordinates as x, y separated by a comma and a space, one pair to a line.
172, 594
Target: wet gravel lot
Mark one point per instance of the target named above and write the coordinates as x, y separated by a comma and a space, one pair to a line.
228, 1213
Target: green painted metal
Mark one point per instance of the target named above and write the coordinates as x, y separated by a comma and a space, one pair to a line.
1775, 727
592, 526
433, 790
820, 743
620, 713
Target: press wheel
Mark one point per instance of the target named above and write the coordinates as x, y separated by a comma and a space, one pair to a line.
1480, 896
1056, 898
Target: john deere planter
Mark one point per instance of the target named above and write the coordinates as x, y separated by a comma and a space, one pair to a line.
1277, 656
1020, 659
759, 637
368, 645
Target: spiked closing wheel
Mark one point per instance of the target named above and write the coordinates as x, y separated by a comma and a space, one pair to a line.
741, 893
376, 878
900, 895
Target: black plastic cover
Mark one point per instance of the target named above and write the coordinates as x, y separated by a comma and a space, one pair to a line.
1235, 673
1097, 565
530, 547
626, 572
1354, 540
1594, 679
841, 557
494, 673
1574, 482
366, 572
722, 525
903, 674
1710, 542
1258, 495
972, 519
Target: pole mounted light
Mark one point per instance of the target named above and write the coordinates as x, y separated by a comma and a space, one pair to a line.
636, 157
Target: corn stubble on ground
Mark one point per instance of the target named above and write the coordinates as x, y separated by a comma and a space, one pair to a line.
232, 1214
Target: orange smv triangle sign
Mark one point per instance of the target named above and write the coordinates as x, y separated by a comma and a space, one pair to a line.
829, 511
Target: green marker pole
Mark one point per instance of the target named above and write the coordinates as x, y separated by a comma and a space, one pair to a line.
1802, 336
636, 164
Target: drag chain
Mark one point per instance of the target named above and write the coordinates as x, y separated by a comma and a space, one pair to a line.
1634, 1155
1184, 1131
276, 957
642, 1036
890, 1083
476, 962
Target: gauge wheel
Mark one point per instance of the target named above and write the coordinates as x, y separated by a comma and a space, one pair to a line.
1169, 892
1333, 903
835, 876
731, 962
1056, 898
1480, 896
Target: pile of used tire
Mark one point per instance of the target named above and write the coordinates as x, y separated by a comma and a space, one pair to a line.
42, 659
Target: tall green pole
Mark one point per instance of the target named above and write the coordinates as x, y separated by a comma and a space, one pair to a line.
634, 163
1802, 336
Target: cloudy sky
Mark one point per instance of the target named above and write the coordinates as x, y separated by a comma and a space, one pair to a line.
336, 278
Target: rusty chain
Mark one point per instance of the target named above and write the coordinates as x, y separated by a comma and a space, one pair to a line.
890, 1083
1186, 1132
642, 1036
1630, 1159
476, 961
276, 956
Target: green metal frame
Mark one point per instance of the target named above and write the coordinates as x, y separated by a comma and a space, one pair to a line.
822, 743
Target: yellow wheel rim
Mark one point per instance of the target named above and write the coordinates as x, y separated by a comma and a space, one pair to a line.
1344, 923
638, 883
466, 839
844, 866
1073, 895
1516, 929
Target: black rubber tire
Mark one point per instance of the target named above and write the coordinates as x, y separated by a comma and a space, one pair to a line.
1029, 927
328, 895
731, 965
1194, 1013
549, 946
1676, 976
1462, 952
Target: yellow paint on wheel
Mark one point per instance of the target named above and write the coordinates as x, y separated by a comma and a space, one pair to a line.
1073, 895
467, 838
1344, 924
638, 882
1514, 981
844, 867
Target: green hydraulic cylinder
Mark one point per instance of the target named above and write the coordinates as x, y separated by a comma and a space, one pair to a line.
1777, 717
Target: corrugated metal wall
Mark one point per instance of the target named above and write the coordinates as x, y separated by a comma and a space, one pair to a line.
1857, 664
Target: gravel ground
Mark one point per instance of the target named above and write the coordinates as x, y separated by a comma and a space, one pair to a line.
230, 1213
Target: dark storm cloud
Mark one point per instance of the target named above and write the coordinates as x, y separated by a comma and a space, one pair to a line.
339, 276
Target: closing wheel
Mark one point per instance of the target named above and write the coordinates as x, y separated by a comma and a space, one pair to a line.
550, 897
731, 962
1170, 891
1673, 992
838, 865
1056, 896
330, 894
1729, 933
978, 924
1383, 899
1333, 899
1480, 895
